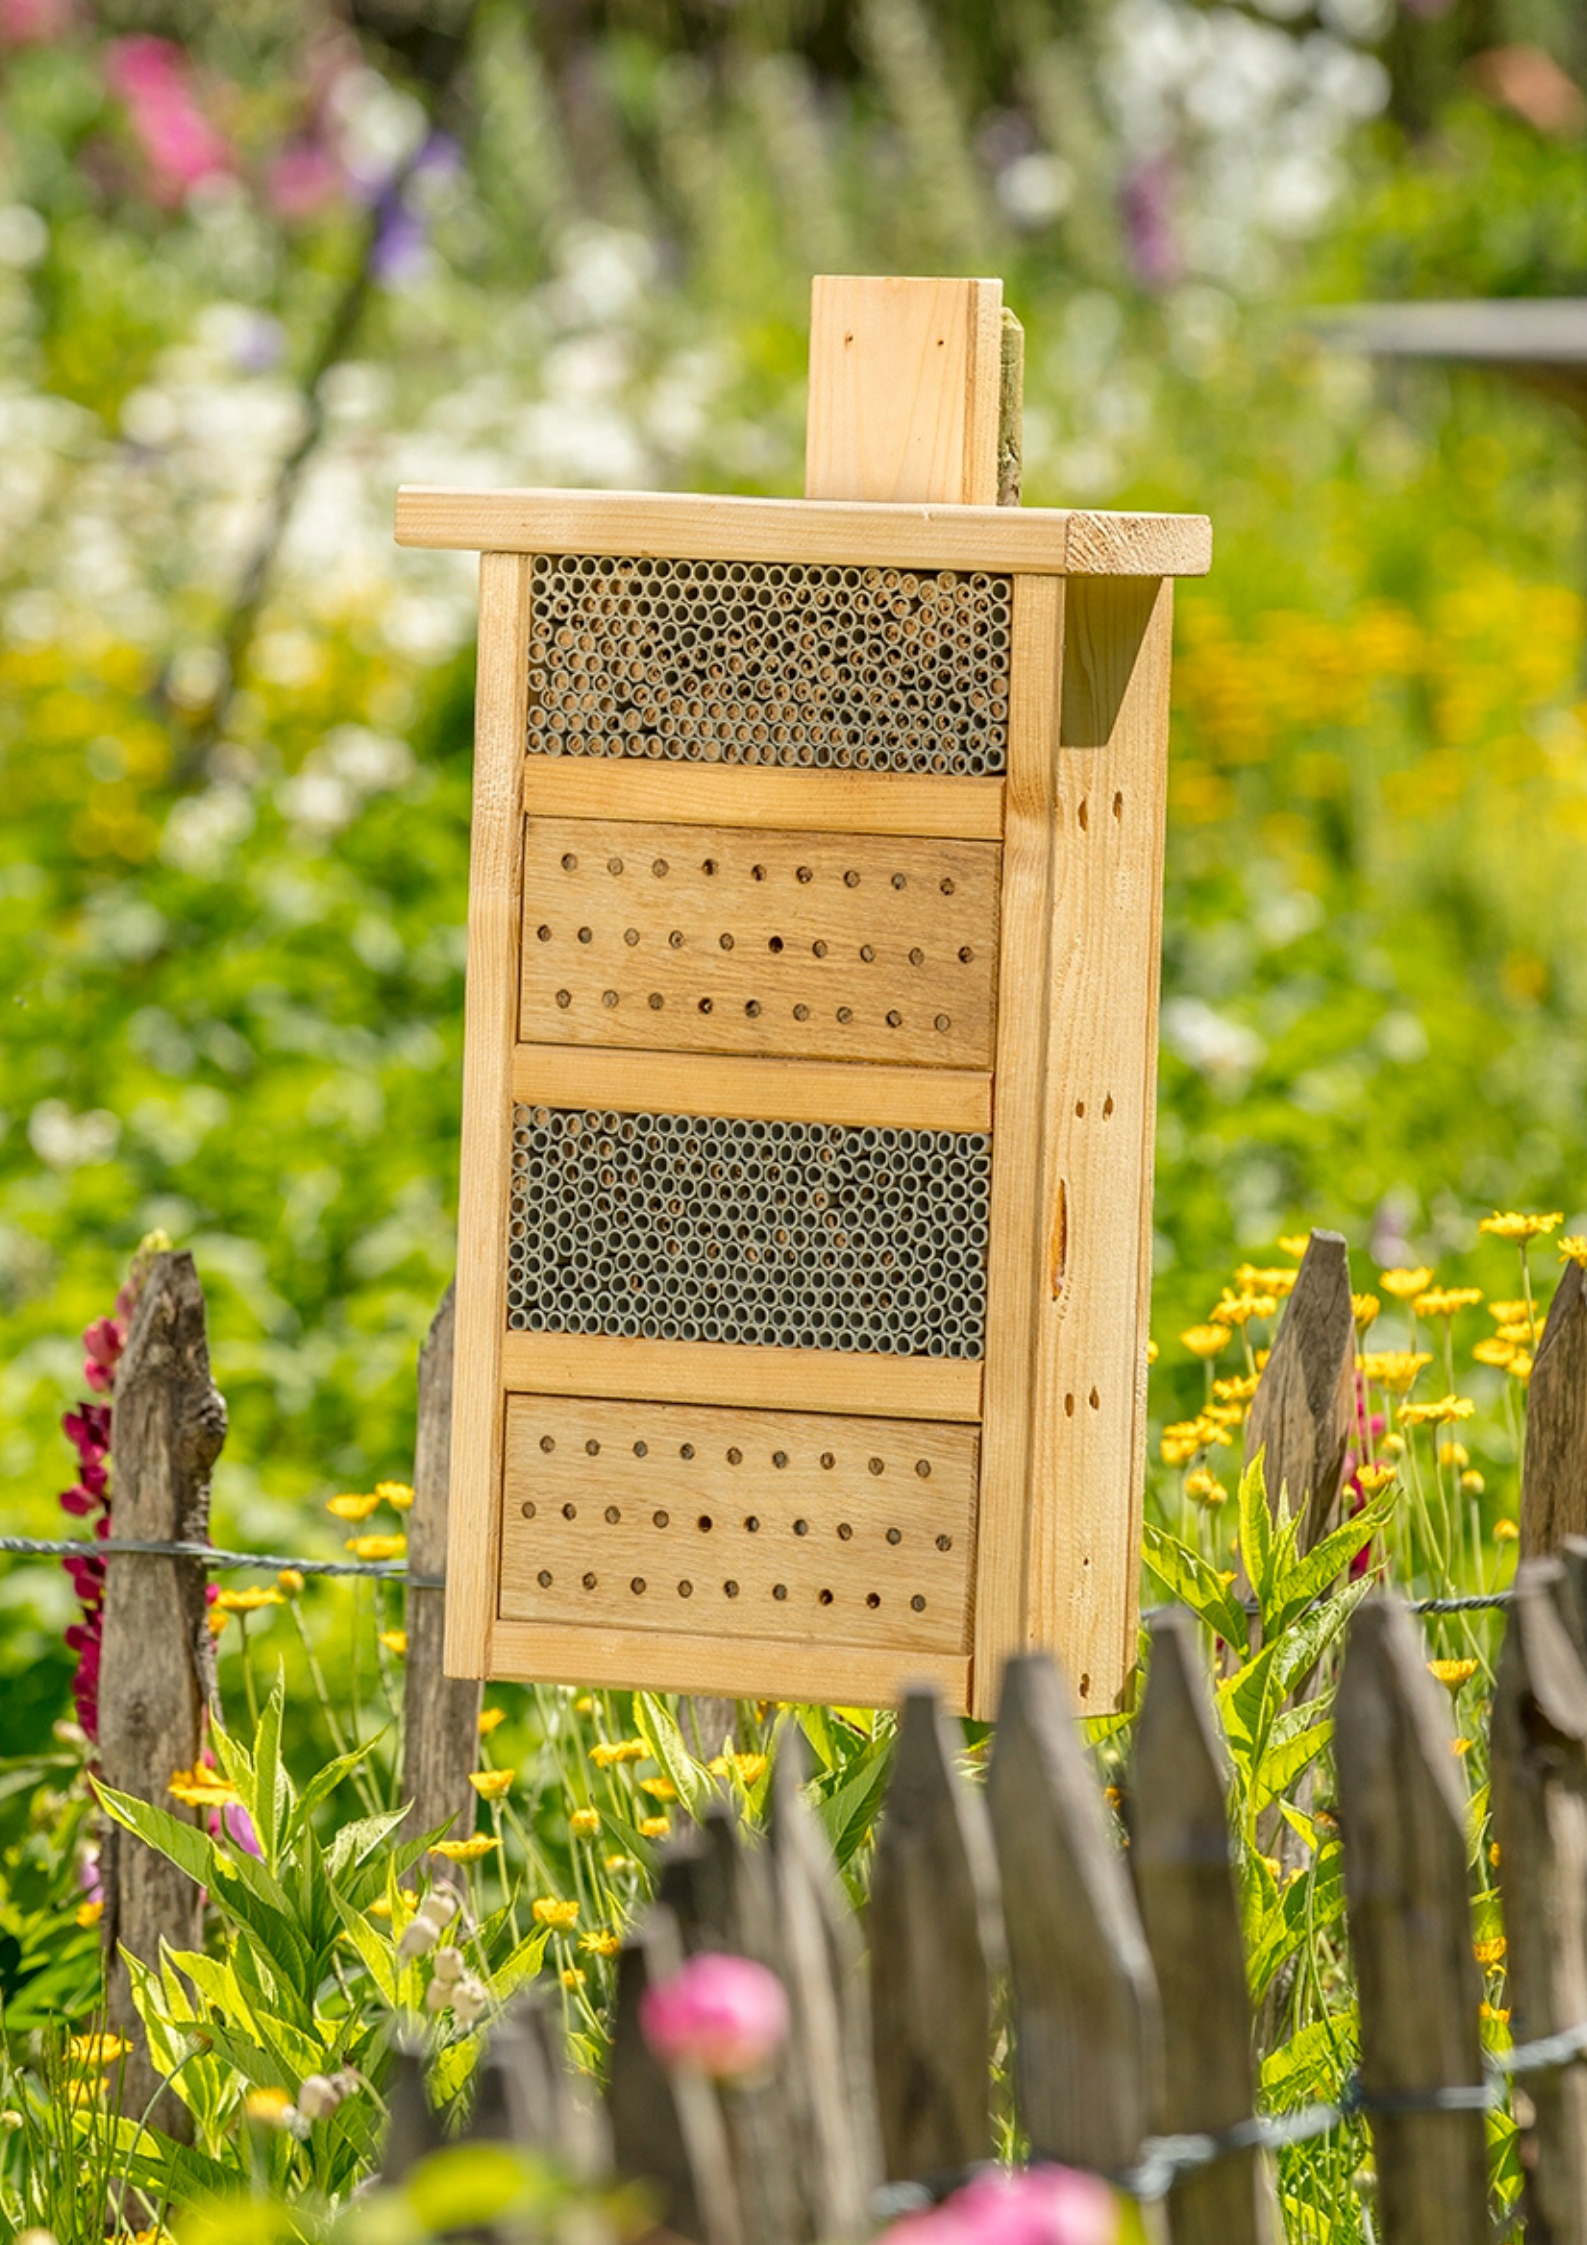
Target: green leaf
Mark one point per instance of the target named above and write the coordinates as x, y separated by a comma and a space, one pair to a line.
323, 1784
1242, 1702
376, 1953
658, 1728
1256, 1528
848, 1812
1283, 1762
1189, 1581
1328, 1559
519, 1965
360, 1838
1311, 2063
272, 1793
1309, 1905
1305, 1641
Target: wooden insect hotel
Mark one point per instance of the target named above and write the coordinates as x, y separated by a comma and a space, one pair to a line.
810, 1050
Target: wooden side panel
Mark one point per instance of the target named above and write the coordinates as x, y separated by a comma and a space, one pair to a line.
736, 1668
722, 939
490, 1030
1089, 1414
904, 382
849, 1381
824, 802
746, 1524
823, 1091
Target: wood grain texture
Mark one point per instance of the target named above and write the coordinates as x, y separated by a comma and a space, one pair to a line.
765, 943
1182, 1862
936, 1941
1088, 1415
1035, 540
816, 802
1014, 1255
495, 911
1010, 411
904, 386
1303, 1412
440, 1713
739, 1524
668, 2131
1402, 1819
845, 1381
1539, 1776
739, 1668
1087, 2057
1554, 1466
156, 1661
650, 1083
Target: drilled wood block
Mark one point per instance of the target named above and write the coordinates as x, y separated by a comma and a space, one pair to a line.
753, 1524
719, 939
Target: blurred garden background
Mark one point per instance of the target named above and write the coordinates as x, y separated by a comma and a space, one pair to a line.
261, 261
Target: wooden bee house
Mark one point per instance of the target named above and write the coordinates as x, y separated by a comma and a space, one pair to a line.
810, 1051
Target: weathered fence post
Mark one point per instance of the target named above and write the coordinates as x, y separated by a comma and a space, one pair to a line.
157, 1665
1303, 1412
1183, 1867
667, 2128
440, 1713
1403, 1824
936, 1939
1554, 1464
1539, 1772
1086, 2033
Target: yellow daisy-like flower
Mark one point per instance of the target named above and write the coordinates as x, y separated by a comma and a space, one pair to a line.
1392, 1445
1373, 1478
551, 1910
1394, 1369
1490, 1953
1492, 1350
1153, 1352
491, 1784
1453, 1453
1240, 1309
1493, 2014
1453, 1673
1460, 1746
1504, 1312
1205, 1487
491, 1719
217, 1621
270, 2108
1296, 1244
655, 1827
350, 1507
601, 1944
395, 1641
378, 1547
1472, 1484
98, 2050
1443, 1413
1573, 1248
1520, 1366
465, 1851
1506, 1531
607, 1755
1443, 1301
1237, 1388
1223, 1415
1206, 1340
749, 1769
584, 1823
380, 1907
1508, 1224
395, 1493
202, 1788
1364, 1309
659, 1788
573, 1976
247, 1601
1252, 1279
1404, 1284
584, 1704
89, 1913
290, 1581
616, 1863
1522, 1331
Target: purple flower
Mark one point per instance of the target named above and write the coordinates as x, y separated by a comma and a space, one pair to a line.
1147, 202
235, 1824
720, 2015
400, 252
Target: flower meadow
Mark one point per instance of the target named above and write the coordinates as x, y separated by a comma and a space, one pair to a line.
256, 267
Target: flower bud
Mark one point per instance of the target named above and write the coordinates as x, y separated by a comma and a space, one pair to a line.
318, 2097
417, 1939
449, 1964
469, 1998
437, 1995
720, 2015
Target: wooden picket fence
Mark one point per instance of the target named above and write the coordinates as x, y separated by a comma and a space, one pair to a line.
1007, 1909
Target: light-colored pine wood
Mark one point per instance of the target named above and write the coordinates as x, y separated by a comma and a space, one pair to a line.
712, 939
554, 1652
904, 380
1034, 540
851, 1382
495, 908
815, 802
1089, 1371
1021, 1091
829, 1091
741, 1524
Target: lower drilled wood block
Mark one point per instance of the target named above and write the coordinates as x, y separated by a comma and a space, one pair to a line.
787, 1525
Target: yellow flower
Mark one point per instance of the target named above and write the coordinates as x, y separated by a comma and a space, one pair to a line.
1240, 1309
491, 1784
464, 1851
1153, 1352
1205, 1487
1443, 1301
380, 1907
1250, 1280
1372, 1478
1238, 1388
271, 2108
1509, 1225
377, 1547
98, 2050
1453, 1453
1573, 1248
1271, 1865
1186, 1437
1496, 2015
1364, 1309
290, 1581
1392, 1445
1443, 1413
616, 1863
1394, 1369
600, 1944
1459, 1747
202, 1788
654, 1827
621, 1750
584, 1704
1453, 1673
1405, 1285
1520, 1366
1505, 1531
1296, 1244
352, 1508
1522, 1331
395, 1493
747, 1768
584, 1823
491, 1718
247, 1601
572, 1976
1490, 1952
395, 1641
1491, 1350
1472, 1484
1205, 1340
551, 1910
659, 1788
1503, 1312
217, 1620
89, 1913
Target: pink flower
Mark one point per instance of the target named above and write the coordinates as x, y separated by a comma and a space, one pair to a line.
303, 178
723, 2016
151, 78
88, 1876
1023, 2206
104, 1340
235, 1824
34, 23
